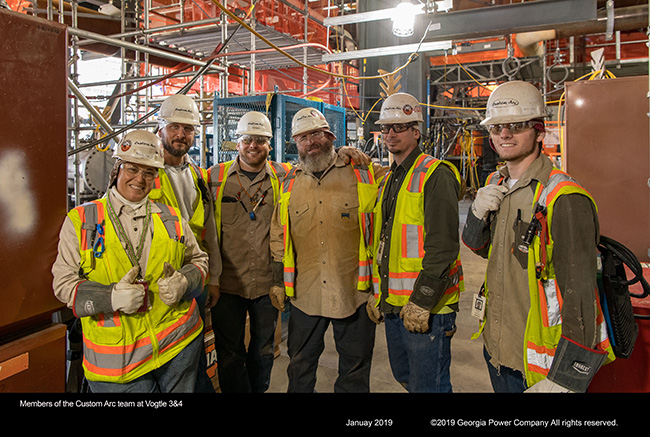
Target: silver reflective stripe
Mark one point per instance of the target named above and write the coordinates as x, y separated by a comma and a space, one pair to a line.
169, 221
412, 241
419, 173
553, 182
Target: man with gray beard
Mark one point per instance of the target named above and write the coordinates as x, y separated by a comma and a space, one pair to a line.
320, 244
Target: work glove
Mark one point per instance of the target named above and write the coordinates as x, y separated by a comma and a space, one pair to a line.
416, 318
278, 296
126, 296
373, 312
172, 286
488, 199
547, 386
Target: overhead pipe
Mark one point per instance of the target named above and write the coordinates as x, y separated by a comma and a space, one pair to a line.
625, 18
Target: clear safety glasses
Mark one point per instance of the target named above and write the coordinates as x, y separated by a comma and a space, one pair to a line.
147, 174
249, 139
310, 136
514, 128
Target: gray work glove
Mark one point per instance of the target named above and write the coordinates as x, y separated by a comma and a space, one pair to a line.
373, 311
488, 199
172, 286
127, 296
416, 318
278, 296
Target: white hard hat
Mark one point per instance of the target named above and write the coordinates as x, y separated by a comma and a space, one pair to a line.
307, 120
254, 123
180, 108
400, 108
141, 147
514, 101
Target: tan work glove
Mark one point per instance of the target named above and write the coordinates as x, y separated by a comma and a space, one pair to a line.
373, 311
488, 199
416, 319
172, 286
547, 386
278, 296
127, 296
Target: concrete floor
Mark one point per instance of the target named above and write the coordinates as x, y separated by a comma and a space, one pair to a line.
468, 371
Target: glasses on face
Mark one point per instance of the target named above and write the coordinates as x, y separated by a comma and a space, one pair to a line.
514, 128
310, 136
186, 128
147, 174
249, 139
397, 127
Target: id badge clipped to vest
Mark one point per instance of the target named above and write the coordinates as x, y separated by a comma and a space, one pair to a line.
478, 307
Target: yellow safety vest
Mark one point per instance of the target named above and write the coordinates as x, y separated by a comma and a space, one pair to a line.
163, 192
407, 239
366, 192
119, 347
218, 174
544, 323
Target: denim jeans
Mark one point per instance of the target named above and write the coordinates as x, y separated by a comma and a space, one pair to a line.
354, 337
421, 361
176, 376
241, 370
505, 379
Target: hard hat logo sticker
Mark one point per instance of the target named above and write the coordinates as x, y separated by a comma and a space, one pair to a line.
407, 109
126, 145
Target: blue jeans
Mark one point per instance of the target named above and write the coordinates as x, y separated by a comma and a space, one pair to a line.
505, 379
176, 376
421, 361
354, 337
241, 370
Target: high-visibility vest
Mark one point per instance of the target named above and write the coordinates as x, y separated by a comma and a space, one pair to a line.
218, 174
544, 323
163, 192
367, 194
119, 347
407, 239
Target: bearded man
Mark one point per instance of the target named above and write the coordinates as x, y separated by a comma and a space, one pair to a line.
320, 244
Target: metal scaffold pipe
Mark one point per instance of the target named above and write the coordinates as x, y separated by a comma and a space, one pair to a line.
140, 48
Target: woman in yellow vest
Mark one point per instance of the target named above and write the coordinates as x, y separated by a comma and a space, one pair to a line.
130, 269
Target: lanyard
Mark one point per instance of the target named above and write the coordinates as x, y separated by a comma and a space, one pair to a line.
133, 254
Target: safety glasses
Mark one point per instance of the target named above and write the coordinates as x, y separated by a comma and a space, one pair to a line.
514, 128
249, 139
147, 175
310, 136
397, 127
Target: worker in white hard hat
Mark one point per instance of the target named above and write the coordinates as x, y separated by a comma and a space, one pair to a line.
320, 244
245, 191
130, 270
541, 323
417, 273
183, 183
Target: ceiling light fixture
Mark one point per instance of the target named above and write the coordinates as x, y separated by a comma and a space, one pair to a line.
404, 20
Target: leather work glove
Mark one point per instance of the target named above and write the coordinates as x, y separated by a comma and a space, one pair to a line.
488, 199
373, 311
278, 296
547, 386
127, 296
416, 318
172, 286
